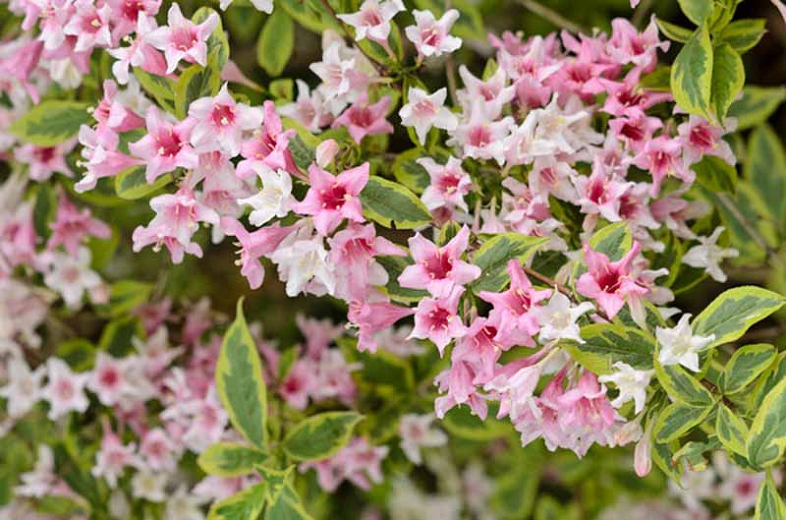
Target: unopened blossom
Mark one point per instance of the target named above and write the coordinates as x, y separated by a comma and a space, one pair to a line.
182, 39
44, 161
431, 36
417, 432
449, 183
437, 319
558, 317
274, 200
65, 390
642, 458
149, 486
267, 147
708, 255
23, 388
438, 269
679, 346
253, 246
221, 122
609, 283
372, 21
424, 111
631, 383
166, 145
71, 276
72, 226
333, 198
325, 152
363, 118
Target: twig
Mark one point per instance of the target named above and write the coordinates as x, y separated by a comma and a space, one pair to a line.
450, 68
640, 12
755, 235
551, 15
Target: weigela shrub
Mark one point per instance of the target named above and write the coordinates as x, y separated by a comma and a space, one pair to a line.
512, 246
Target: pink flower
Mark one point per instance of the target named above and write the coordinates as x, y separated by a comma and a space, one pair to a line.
65, 390
362, 119
333, 198
125, 14
700, 138
298, 384
43, 161
176, 221
158, 452
516, 309
90, 25
373, 317
107, 380
309, 109
600, 194
72, 226
268, 147
586, 405
253, 246
221, 122
372, 21
183, 39
449, 183
627, 45
479, 137
438, 269
437, 319
481, 348
113, 457
139, 53
492, 91
112, 115
457, 387
610, 283
430, 35
424, 110
359, 462
102, 159
626, 98
662, 157
165, 147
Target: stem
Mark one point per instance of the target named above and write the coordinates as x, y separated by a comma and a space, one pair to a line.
640, 12
450, 68
750, 229
551, 15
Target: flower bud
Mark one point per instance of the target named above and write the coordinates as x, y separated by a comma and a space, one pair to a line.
326, 151
642, 462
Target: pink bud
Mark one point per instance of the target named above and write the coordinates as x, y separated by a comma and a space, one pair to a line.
629, 432
642, 462
326, 151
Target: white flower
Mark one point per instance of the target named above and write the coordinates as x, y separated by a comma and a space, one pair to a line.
334, 71
23, 389
709, 255
303, 264
65, 390
273, 200
423, 111
72, 276
42, 480
558, 318
631, 383
184, 506
680, 346
372, 21
416, 432
430, 35
149, 486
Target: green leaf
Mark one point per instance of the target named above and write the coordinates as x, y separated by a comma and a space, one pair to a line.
130, 184
392, 205
230, 460
676, 420
287, 507
732, 313
217, 43
282, 88
276, 480
515, 491
117, 336
243, 21
662, 454
127, 295
757, 105
79, 481
246, 505
681, 386
765, 168
731, 430
743, 35
162, 89
745, 366
614, 240
696, 10
79, 353
715, 174
305, 16
728, 78
607, 343
460, 422
194, 83
691, 74
321, 435
44, 209
674, 32
767, 439
493, 257
382, 369
239, 381
769, 505
51, 122
276, 43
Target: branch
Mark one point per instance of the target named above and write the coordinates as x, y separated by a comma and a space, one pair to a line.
551, 15
750, 229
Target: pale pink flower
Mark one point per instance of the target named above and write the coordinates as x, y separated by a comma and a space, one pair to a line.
362, 119
157, 451
493, 92
72, 226
165, 147
182, 39
449, 183
102, 159
372, 21
334, 71
417, 432
424, 111
372, 318
139, 53
268, 148
22, 390
298, 384
438, 269
309, 109
332, 198
437, 319
43, 161
221, 122
71, 276
479, 137
431, 36
90, 25
65, 390
114, 457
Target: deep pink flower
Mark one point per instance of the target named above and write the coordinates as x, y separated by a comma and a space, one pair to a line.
662, 157
449, 184
125, 14
586, 405
182, 39
166, 146
102, 159
268, 147
700, 138
362, 119
628, 45
610, 283
253, 246
44, 161
626, 98
372, 317
333, 198
437, 319
438, 269
221, 122
112, 115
